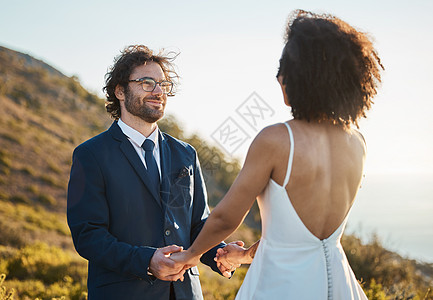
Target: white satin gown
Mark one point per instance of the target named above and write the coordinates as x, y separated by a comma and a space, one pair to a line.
292, 263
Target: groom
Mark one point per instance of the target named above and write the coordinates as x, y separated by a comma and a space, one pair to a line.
136, 194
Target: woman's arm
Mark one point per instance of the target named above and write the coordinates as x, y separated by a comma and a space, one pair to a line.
230, 212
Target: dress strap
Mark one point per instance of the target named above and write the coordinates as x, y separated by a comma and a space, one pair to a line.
292, 148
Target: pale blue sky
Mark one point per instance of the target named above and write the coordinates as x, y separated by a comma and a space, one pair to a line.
230, 49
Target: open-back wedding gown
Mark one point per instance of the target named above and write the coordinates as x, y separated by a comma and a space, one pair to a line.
292, 263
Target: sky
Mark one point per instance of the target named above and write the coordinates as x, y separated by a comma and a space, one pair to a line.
228, 58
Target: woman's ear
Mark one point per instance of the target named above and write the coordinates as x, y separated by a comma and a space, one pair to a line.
119, 92
283, 89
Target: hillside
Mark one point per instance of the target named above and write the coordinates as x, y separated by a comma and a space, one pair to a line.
45, 115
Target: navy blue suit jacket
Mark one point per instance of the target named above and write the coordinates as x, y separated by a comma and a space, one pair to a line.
118, 219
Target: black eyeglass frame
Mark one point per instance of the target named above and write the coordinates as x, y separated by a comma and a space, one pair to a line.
142, 79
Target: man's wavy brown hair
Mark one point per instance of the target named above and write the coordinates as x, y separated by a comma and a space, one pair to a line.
130, 58
330, 70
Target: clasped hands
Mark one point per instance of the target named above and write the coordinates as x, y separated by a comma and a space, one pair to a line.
170, 263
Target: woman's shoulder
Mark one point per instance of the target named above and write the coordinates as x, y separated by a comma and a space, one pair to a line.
272, 139
273, 131
359, 135
358, 139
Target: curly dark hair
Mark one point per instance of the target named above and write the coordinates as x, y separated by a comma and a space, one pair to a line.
330, 70
130, 58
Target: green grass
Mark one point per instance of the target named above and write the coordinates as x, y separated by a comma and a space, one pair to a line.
33, 218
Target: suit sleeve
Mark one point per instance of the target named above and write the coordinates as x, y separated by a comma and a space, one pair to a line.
200, 213
88, 220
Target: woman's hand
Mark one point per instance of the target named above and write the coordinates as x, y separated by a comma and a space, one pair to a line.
234, 254
185, 258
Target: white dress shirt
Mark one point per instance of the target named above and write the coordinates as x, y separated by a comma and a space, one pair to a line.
137, 139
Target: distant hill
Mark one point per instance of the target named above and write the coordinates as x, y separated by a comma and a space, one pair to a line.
29, 61
44, 116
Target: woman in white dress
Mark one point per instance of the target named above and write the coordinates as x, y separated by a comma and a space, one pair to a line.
305, 173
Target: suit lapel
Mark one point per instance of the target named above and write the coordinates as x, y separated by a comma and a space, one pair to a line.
135, 161
165, 158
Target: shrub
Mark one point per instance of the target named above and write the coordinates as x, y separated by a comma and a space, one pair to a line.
384, 271
5, 159
28, 170
4, 293
39, 261
61, 290
34, 217
45, 272
19, 198
33, 189
5, 170
47, 199
49, 180
54, 168
13, 138
217, 287
3, 195
5, 162
9, 236
375, 291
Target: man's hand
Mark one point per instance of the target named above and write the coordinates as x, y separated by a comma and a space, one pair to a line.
230, 257
164, 268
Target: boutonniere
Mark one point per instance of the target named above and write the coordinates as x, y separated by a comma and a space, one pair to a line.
185, 172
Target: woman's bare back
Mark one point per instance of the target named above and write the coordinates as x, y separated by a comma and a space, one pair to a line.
326, 174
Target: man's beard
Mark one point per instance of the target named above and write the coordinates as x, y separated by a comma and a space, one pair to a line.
138, 107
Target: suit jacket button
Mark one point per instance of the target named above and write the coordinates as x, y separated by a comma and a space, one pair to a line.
167, 232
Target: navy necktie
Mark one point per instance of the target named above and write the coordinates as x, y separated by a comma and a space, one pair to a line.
152, 167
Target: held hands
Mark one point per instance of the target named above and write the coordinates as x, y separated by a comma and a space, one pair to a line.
171, 262
228, 258
163, 267
186, 259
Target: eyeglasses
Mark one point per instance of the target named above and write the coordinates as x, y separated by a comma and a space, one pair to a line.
149, 84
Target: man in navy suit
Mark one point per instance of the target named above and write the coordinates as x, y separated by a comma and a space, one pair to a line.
136, 194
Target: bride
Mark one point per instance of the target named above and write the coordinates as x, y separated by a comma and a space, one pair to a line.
305, 173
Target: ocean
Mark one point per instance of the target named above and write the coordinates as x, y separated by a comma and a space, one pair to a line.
399, 209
